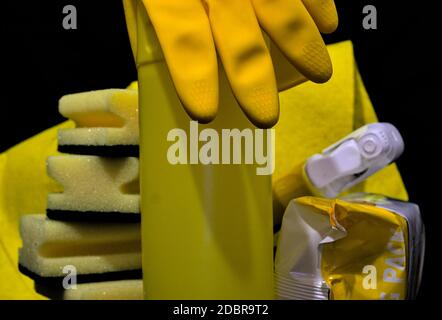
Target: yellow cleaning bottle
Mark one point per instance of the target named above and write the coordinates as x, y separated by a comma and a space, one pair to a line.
206, 228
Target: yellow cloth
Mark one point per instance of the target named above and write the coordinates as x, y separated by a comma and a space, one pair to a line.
23, 189
315, 116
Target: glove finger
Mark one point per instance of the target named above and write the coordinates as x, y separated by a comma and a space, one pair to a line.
290, 26
246, 59
183, 31
324, 13
286, 74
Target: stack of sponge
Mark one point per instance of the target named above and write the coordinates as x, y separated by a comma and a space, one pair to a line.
88, 245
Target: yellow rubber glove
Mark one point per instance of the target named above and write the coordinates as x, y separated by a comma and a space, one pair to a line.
190, 33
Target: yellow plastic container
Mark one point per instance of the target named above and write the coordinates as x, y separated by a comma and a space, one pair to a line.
206, 229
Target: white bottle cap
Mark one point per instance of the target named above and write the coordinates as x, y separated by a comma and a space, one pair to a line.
354, 158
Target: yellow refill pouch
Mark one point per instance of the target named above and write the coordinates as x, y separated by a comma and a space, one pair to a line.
363, 247
206, 225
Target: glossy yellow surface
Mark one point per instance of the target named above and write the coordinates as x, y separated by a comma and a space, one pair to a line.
23, 189
206, 229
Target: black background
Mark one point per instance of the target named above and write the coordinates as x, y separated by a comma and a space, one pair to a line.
400, 64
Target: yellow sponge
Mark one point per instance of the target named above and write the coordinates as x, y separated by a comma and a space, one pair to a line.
94, 187
106, 290
106, 123
104, 251
109, 290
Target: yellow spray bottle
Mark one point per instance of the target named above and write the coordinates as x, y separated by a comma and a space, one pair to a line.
206, 228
